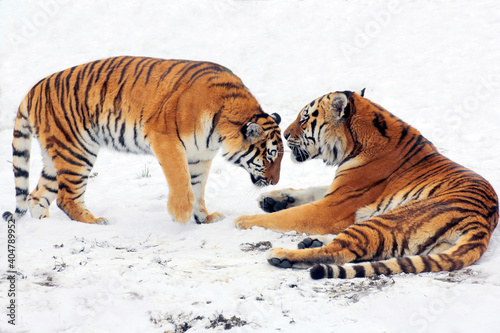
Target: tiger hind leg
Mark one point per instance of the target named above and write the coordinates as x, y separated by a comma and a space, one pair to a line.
448, 254
46, 191
358, 242
460, 246
444, 257
334, 252
73, 170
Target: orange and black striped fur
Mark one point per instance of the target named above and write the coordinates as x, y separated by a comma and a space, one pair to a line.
396, 204
180, 111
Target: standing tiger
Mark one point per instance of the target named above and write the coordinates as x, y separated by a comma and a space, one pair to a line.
180, 111
395, 200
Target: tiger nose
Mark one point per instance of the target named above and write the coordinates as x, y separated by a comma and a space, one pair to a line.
287, 135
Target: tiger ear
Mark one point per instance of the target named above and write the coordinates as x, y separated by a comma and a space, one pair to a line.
338, 106
276, 117
361, 92
251, 131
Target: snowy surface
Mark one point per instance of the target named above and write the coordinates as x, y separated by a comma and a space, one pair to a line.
435, 64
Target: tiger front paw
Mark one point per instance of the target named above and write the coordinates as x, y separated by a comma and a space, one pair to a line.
248, 221
210, 218
274, 201
181, 206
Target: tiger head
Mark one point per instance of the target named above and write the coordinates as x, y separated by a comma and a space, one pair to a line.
323, 129
258, 148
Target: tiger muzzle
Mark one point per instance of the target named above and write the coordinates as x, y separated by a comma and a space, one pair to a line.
272, 174
300, 154
259, 181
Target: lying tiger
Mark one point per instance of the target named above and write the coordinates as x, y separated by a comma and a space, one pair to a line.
180, 111
395, 200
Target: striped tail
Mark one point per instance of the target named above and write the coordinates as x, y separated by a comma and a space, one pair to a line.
21, 147
415, 264
386, 267
464, 253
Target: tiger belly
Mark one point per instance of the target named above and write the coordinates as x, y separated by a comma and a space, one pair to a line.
385, 204
123, 137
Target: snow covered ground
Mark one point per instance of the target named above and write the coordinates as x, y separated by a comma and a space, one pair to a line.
435, 64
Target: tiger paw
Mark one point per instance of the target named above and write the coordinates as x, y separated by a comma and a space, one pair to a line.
277, 257
101, 221
211, 218
181, 207
274, 201
310, 243
94, 220
289, 258
248, 221
281, 263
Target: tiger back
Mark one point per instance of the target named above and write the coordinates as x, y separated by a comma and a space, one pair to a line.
181, 111
396, 203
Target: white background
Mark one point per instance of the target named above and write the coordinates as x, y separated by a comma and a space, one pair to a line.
435, 64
